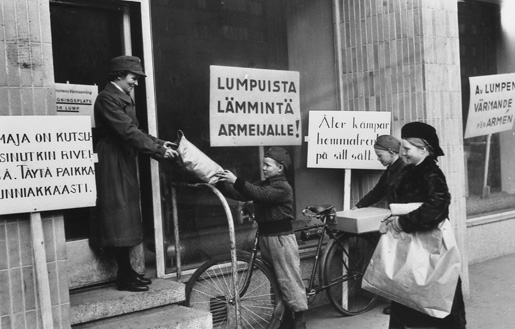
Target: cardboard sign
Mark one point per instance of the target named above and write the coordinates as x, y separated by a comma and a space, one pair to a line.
75, 99
252, 107
46, 163
491, 104
345, 139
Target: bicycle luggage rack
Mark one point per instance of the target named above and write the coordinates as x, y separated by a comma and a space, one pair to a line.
232, 239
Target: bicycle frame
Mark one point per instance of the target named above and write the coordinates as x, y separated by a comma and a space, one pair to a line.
311, 290
253, 256
340, 274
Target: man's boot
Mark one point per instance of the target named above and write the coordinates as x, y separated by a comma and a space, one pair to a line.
300, 320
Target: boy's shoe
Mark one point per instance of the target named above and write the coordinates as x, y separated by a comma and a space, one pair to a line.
287, 321
300, 320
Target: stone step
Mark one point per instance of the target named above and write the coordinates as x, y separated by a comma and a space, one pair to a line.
165, 317
104, 302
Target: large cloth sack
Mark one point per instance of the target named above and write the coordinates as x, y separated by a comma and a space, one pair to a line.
195, 161
419, 270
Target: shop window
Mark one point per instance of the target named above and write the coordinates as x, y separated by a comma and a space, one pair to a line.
201, 4
257, 36
256, 8
490, 192
236, 5
201, 31
235, 38
236, 33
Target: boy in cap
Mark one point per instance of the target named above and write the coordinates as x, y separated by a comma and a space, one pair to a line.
273, 204
387, 150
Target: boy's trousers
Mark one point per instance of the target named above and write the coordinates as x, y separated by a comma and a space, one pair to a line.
282, 252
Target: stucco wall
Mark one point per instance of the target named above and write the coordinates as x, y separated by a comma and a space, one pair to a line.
27, 88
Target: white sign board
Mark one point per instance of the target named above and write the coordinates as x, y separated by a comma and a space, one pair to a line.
75, 99
46, 163
250, 107
491, 104
345, 139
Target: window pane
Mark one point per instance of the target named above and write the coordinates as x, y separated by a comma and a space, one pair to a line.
478, 56
194, 35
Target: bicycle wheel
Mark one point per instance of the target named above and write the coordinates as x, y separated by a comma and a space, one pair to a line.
344, 272
209, 289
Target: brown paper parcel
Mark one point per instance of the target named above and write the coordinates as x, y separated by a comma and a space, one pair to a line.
418, 270
195, 161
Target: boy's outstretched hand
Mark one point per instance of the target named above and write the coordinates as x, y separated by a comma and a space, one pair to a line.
226, 176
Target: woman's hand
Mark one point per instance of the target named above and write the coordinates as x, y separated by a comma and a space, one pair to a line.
226, 176
170, 152
394, 224
391, 223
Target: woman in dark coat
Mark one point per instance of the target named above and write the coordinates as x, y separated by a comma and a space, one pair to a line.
423, 181
117, 217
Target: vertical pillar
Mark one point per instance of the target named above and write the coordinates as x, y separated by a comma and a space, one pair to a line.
27, 88
403, 56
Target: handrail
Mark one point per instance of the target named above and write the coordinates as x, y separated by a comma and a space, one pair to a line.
232, 239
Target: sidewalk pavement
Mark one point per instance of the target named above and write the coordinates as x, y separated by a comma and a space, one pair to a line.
491, 304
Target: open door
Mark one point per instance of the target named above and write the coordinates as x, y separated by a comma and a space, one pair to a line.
86, 34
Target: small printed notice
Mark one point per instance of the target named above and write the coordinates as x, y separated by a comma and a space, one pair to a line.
252, 107
46, 163
75, 99
491, 104
345, 139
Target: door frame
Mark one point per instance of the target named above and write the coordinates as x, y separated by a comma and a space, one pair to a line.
79, 249
146, 27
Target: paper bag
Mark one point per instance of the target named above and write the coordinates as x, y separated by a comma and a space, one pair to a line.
195, 161
404, 208
419, 270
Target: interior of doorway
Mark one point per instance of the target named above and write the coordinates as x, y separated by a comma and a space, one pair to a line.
85, 36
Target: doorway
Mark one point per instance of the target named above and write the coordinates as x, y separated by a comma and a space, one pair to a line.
85, 36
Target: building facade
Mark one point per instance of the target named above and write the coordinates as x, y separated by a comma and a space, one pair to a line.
412, 58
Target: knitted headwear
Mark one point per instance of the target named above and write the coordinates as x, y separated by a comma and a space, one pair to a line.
388, 143
424, 131
280, 155
127, 63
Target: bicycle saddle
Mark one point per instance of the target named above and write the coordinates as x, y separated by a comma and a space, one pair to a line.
320, 210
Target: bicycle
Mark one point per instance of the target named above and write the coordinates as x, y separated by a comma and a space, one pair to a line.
341, 268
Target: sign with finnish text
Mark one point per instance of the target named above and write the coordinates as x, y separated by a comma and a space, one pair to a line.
252, 107
345, 139
75, 99
46, 163
491, 104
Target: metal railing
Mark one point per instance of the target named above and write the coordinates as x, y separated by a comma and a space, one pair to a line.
232, 240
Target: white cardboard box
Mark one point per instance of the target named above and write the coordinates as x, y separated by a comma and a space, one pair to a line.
361, 220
